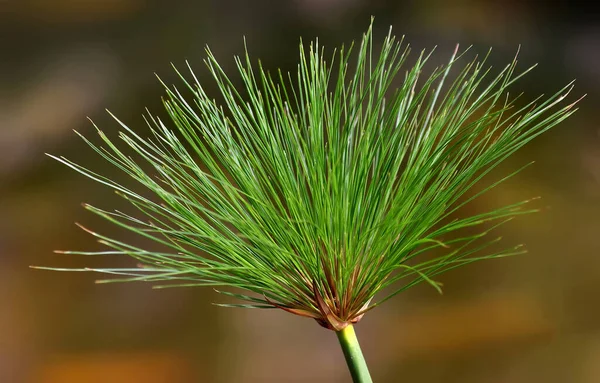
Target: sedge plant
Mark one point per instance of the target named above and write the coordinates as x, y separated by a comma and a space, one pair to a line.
323, 192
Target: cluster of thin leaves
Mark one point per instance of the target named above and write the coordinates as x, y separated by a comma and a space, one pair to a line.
314, 191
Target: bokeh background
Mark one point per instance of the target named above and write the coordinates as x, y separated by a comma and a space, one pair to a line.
533, 318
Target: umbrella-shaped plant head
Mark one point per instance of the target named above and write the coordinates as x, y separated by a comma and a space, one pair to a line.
316, 190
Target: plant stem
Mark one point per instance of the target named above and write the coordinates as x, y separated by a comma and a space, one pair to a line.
354, 357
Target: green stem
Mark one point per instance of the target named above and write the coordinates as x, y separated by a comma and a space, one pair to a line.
354, 357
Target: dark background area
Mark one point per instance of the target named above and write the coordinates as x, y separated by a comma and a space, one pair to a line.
532, 318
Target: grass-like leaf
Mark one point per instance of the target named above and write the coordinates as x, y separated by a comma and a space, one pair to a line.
314, 191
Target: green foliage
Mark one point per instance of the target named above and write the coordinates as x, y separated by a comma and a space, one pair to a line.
313, 191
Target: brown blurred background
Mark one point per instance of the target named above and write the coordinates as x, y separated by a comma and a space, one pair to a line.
533, 318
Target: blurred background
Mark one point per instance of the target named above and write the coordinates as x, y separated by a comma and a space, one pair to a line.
532, 318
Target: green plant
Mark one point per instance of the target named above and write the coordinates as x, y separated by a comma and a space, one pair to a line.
314, 192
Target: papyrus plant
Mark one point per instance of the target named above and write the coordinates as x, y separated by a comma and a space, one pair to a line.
315, 191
